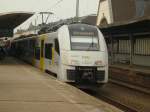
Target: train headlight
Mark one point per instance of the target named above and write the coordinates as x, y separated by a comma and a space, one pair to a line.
74, 62
99, 63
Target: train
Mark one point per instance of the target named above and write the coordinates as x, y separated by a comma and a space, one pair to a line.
75, 53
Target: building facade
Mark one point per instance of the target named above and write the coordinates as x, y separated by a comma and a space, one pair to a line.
130, 43
112, 11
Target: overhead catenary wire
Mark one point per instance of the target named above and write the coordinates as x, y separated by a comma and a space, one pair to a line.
58, 2
54, 5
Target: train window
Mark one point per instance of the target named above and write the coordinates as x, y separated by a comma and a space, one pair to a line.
84, 43
37, 53
32, 43
48, 51
57, 46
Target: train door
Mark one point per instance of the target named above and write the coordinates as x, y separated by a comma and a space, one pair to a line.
37, 53
56, 55
51, 57
48, 56
42, 53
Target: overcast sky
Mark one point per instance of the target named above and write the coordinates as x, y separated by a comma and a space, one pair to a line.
64, 9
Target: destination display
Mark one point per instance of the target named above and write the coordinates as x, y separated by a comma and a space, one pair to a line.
75, 33
82, 30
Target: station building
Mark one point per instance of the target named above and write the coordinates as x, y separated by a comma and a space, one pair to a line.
129, 43
126, 26
112, 11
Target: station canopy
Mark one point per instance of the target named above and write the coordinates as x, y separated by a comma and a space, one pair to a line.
9, 21
136, 26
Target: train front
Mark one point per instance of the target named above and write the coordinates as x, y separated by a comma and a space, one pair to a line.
84, 57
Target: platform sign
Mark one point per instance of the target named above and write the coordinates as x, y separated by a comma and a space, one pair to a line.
6, 33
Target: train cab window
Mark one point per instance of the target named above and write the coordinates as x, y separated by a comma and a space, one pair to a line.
48, 51
84, 37
37, 53
57, 46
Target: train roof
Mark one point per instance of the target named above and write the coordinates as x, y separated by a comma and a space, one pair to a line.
54, 28
50, 30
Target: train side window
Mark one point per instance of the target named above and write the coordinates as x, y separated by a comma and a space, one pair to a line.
37, 53
48, 51
57, 46
32, 43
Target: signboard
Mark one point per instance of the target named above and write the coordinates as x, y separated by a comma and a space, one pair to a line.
6, 32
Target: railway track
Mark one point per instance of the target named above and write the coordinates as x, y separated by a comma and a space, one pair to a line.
126, 98
107, 99
131, 86
118, 104
137, 78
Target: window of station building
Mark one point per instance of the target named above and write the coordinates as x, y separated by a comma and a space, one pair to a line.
124, 46
140, 7
37, 53
48, 51
57, 46
142, 47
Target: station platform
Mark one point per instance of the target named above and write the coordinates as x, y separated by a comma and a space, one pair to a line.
24, 88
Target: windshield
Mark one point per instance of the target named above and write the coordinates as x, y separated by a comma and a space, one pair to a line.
84, 37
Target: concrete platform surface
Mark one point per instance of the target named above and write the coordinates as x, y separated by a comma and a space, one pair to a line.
24, 88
